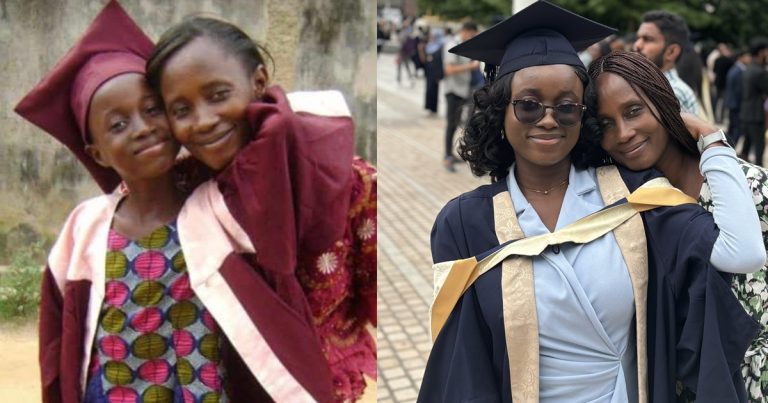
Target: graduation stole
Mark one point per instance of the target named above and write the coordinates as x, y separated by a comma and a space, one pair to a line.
515, 253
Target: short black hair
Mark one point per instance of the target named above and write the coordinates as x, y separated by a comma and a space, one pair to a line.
756, 45
232, 38
672, 27
469, 26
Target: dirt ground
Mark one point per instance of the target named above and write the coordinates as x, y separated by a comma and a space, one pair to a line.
19, 376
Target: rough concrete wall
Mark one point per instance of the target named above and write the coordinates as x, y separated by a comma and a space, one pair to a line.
336, 50
40, 182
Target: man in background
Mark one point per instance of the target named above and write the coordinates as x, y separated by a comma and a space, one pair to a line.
755, 87
457, 79
734, 88
662, 38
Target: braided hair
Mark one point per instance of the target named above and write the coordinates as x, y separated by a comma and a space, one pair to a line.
649, 84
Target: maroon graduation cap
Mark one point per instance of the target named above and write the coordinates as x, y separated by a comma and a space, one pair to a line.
112, 45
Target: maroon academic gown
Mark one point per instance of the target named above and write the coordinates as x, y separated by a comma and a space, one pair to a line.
298, 209
271, 352
309, 208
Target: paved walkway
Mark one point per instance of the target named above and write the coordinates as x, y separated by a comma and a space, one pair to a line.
413, 187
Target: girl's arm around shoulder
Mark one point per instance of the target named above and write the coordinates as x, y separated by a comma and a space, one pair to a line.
739, 247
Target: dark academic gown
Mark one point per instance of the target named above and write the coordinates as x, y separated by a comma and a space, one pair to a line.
696, 330
287, 196
269, 351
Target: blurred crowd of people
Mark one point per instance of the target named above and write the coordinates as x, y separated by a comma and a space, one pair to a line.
723, 83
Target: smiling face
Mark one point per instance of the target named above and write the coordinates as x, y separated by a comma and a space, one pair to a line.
544, 143
129, 130
207, 90
631, 133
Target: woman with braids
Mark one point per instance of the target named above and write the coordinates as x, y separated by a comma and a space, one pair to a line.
542, 293
640, 126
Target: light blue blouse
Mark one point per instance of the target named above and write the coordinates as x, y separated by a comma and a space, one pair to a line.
584, 297
584, 303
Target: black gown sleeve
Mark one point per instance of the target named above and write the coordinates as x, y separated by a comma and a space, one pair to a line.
465, 362
697, 330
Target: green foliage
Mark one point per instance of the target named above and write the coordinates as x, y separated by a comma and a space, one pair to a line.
20, 284
481, 11
735, 21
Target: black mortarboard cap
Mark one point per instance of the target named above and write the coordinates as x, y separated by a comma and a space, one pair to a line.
541, 34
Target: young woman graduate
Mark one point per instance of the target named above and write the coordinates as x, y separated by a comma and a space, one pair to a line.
286, 170
638, 118
145, 298
562, 292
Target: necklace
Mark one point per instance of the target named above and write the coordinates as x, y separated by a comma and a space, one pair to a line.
546, 191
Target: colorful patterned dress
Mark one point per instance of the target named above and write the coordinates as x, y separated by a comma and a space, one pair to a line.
155, 340
340, 284
751, 290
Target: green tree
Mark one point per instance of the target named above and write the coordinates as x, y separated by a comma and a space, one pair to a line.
481, 11
719, 20
735, 21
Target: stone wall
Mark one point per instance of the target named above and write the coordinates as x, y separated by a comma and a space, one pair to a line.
316, 44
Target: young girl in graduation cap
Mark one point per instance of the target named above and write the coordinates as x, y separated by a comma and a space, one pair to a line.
286, 169
638, 119
549, 286
150, 293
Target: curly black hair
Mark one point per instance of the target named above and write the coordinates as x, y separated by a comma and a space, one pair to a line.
487, 153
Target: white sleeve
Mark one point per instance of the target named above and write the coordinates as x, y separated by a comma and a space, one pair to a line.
739, 247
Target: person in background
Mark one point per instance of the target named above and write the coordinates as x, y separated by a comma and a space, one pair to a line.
734, 88
420, 38
382, 36
662, 37
720, 68
457, 82
407, 50
610, 44
616, 43
433, 69
691, 71
751, 115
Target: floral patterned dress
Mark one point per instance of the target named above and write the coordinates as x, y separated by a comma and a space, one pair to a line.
340, 284
751, 290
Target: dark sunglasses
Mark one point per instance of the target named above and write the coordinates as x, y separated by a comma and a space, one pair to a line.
531, 112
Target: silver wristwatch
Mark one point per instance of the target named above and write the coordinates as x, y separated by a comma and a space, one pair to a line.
705, 141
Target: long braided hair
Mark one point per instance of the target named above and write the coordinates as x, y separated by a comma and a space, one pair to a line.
649, 83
